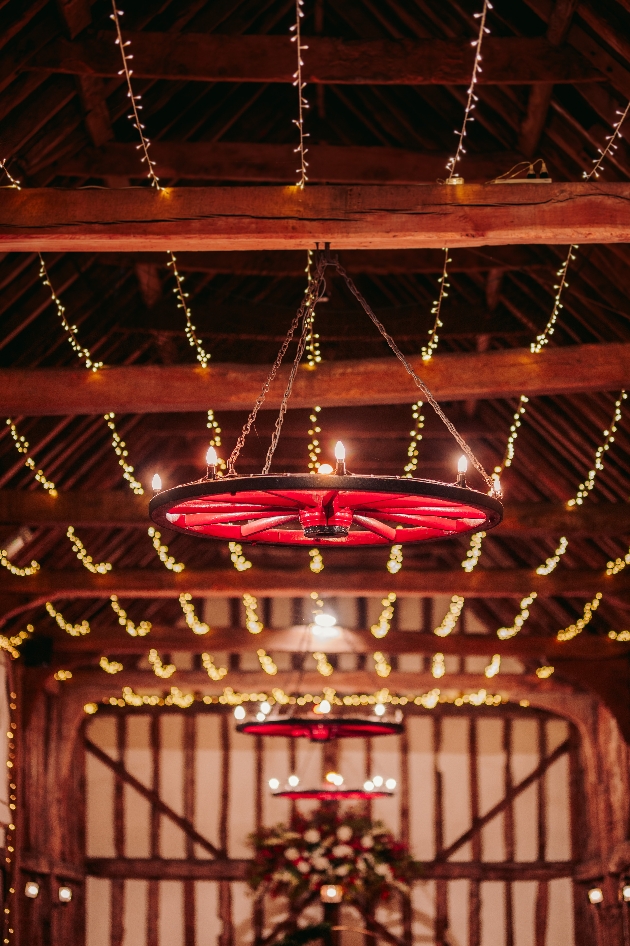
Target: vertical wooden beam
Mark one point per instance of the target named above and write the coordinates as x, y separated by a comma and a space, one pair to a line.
542, 909
540, 788
259, 748
474, 905
407, 913
441, 901
190, 722
226, 936
578, 834
508, 831
154, 888
118, 886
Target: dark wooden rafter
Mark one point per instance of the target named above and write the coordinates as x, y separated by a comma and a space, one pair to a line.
211, 58
450, 377
361, 217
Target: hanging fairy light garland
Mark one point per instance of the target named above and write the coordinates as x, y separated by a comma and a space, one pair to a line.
134, 116
74, 630
134, 630
611, 146
302, 102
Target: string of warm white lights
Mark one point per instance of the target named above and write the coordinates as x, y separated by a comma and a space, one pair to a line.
381, 666
266, 663
302, 103
314, 447
10, 840
553, 560
493, 667
543, 338
25, 572
193, 622
382, 626
316, 563
472, 98
432, 344
22, 446
215, 439
395, 561
613, 568
74, 630
110, 666
438, 666
160, 669
508, 456
598, 464
415, 437
451, 617
215, 673
134, 116
10, 644
71, 330
323, 664
252, 622
574, 629
98, 568
544, 672
120, 449
134, 630
241, 564
506, 632
167, 560
230, 697
611, 146
474, 552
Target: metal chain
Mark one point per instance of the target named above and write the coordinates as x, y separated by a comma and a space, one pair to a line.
333, 261
306, 307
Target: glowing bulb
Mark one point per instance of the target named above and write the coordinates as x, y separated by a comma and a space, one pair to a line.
338, 780
325, 468
625, 892
265, 707
324, 707
211, 457
293, 781
368, 786
379, 709
340, 451
156, 482
390, 784
239, 712
378, 781
260, 717
595, 895
65, 894
274, 784
332, 778
331, 892
496, 482
31, 889
325, 620
462, 464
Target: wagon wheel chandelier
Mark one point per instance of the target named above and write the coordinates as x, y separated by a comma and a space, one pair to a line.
337, 509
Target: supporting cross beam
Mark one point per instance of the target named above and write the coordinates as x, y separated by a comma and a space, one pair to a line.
209, 57
502, 373
123, 509
361, 217
218, 582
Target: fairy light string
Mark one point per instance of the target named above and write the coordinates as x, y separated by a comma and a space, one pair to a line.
134, 116
323, 664
96, 568
22, 446
71, 330
215, 673
11, 829
432, 344
24, 572
381, 665
574, 629
240, 563
160, 669
549, 329
162, 550
302, 102
74, 630
382, 626
314, 446
252, 622
598, 463
451, 617
193, 622
415, 436
110, 666
611, 146
134, 630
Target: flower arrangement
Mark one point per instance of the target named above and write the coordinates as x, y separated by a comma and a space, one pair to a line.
347, 849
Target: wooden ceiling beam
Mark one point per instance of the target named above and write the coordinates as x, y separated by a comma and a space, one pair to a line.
220, 58
131, 389
277, 218
122, 509
378, 262
242, 161
219, 582
236, 640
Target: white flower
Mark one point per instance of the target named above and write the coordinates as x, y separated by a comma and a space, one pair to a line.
342, 870
292, 854
383, 870
342, 850
320, 863
312, 836
303, 867
367, 841
344, 832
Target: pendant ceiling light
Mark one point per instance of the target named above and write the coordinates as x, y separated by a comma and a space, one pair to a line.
321, 730
337, 509
332, 790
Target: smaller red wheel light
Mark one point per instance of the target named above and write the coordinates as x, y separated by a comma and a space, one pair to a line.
332, 794
321, 730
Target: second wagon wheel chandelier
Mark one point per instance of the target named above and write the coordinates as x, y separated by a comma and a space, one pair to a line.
338, 510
